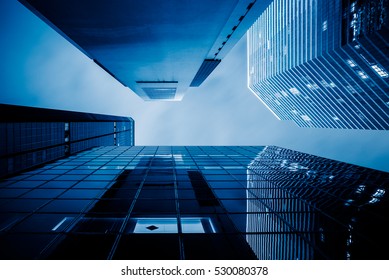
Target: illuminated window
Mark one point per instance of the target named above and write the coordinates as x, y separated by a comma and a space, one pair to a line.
312, 86
284, 93
324, 25
380, 71
294, 91
351, 63
360, 189
352, 7
362, 74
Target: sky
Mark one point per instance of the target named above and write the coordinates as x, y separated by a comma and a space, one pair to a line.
42, 69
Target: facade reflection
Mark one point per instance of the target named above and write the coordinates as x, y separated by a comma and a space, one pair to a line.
305, 207
188, 202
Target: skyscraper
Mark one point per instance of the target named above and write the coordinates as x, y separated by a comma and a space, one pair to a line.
31, 136
322, 63
157, 49
188, 202
309, 207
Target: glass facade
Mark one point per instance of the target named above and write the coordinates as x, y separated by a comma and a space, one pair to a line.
32, 136
307, 207
322, 63
194, 202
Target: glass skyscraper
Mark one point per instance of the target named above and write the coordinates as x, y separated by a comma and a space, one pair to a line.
308, 207
31, 136
194, 202
323, 63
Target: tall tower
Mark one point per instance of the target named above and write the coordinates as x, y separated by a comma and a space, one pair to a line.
31, 136
322, 63
308, 207
157, 49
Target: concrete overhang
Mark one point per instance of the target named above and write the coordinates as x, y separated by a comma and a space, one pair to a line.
150, 41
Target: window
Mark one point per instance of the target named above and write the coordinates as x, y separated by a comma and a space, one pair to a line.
351, 63
306, 118
294, 90
170, 225
362, 74
380, 71
324, 25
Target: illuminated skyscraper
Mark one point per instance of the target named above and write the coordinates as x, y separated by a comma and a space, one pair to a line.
156, 48
322, 63
31, 136
305, 207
